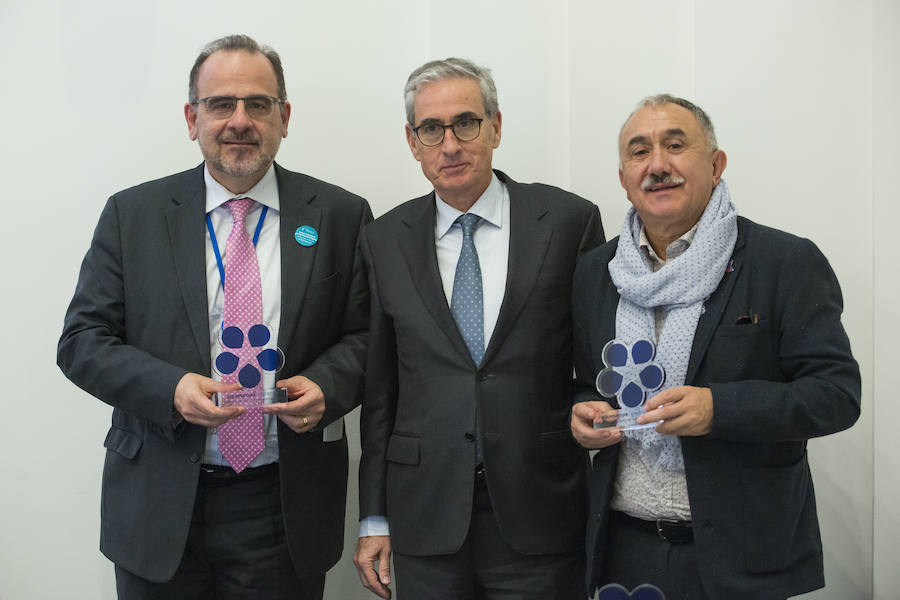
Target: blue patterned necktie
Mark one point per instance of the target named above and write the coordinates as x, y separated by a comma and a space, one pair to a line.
467, 303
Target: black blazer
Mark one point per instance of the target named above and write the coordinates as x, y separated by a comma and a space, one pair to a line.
775, 384
139, 321
418, 414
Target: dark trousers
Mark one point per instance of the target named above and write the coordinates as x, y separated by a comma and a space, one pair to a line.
236, 548
487, 568
633, 556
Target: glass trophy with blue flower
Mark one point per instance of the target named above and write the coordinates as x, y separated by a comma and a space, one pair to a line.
631, 375
248, 354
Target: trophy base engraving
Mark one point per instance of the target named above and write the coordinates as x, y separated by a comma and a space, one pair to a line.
623, 421
248, 397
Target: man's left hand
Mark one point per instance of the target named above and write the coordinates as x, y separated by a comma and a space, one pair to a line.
305, 405
686, 410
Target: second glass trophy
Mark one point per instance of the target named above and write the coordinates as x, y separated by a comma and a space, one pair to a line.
630, 375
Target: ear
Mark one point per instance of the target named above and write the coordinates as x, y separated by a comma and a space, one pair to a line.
497, 123
719, 162
190, 115
285, 117
622, 179
411, 140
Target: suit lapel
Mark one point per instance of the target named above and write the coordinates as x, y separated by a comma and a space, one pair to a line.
187, 238
714, 307
529, 238
424, 272
297, 261
603, 322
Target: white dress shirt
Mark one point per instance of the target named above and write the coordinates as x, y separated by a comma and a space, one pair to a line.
268, 254
492, 244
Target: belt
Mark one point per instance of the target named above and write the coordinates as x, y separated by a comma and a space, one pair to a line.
676, 532
218, 472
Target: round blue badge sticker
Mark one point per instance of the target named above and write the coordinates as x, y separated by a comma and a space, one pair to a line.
306, 236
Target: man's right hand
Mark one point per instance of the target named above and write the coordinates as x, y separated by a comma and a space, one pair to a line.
583, 416
369, 550
193, 400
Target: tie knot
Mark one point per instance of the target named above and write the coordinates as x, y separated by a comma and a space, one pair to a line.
239, 208
469, 223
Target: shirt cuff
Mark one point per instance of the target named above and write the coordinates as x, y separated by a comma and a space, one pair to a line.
374, 525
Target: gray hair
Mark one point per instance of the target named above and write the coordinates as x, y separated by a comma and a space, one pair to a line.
451, 68
702, 118
234, 43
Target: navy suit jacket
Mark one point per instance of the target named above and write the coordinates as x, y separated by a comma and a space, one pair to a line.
139, 321
775, 384
422, 388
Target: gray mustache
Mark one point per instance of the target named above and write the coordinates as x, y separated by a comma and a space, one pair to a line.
664, 179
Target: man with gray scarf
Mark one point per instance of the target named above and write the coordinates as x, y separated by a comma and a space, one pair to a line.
716, 500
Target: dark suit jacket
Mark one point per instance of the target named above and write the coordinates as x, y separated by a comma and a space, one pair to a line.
775, 384
422, 388
139, 321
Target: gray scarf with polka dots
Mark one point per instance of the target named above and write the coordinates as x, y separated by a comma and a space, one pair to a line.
680, 287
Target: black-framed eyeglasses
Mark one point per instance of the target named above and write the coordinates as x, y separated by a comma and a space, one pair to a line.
432, 134
222, 107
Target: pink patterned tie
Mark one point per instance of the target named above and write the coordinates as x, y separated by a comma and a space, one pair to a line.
242, 439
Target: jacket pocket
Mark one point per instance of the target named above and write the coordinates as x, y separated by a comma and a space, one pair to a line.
403, 449
558, 446
779, 517
122, 442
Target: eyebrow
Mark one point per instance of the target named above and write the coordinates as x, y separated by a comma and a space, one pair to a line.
463, 115
642, 139
638, 139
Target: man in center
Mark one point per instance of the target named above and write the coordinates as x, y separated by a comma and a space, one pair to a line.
468, 472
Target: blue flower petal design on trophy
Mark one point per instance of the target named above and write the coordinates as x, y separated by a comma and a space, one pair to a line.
267, 359
630, 375
614, 591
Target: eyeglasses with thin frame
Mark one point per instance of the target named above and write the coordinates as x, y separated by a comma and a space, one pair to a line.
222, 107
432, 134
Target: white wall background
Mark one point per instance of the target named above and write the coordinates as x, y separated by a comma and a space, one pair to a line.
803, 94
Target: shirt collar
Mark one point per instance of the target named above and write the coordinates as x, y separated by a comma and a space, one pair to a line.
673, 250
489, 207
265, 191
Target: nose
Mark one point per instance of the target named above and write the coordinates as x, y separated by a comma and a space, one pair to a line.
449, 145
658, 163
239, 119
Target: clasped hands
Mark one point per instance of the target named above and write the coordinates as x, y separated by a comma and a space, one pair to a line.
302, 412
684, 410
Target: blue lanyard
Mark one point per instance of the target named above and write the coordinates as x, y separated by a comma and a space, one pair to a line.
215, 245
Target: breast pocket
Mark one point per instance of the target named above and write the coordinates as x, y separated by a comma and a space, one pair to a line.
749, 351
323, 288
552, 292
